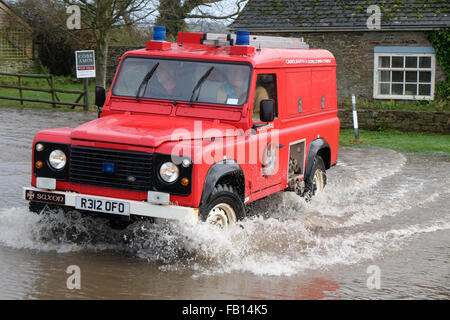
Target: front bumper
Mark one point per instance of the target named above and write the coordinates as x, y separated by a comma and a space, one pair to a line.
136, 208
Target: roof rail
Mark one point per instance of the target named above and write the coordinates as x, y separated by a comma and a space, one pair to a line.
278, 42
220, 39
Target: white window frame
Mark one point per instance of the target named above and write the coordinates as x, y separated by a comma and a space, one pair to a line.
391, 96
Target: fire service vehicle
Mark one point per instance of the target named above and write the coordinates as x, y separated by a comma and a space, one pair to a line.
201, 128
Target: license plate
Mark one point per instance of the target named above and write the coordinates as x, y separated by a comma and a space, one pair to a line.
102, 205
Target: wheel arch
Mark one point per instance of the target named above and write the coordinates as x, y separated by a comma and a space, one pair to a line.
224, 172
319, 147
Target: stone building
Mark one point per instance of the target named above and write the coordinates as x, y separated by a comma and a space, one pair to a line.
16, 43
382, 51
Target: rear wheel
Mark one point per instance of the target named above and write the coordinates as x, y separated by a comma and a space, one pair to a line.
317, 180
225, 207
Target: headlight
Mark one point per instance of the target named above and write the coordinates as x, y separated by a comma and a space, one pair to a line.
169, 172
57, 159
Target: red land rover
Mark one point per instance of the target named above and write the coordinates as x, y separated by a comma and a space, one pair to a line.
200, 128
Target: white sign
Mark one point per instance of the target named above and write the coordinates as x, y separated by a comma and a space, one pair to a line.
85, 63
309, 61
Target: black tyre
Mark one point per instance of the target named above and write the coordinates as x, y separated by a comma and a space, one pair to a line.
316, 180
225, 207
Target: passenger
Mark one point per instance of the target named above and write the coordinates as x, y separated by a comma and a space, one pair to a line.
235, 87
260, 94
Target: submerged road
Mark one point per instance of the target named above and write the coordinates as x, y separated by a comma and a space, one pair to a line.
381, 230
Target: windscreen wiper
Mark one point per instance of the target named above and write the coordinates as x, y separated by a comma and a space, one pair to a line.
199, 84
146, 80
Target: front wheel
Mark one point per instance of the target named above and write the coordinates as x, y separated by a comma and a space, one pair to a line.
225, 207
317, 180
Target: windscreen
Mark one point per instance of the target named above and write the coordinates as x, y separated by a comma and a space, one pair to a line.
181, 80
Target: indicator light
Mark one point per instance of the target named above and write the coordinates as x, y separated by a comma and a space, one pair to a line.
185, 182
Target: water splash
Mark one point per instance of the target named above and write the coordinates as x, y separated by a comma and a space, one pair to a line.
284, 235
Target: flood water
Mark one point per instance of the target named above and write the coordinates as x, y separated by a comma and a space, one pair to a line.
381, 210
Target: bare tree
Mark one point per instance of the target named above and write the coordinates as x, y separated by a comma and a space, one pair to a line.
173, 13
102, 16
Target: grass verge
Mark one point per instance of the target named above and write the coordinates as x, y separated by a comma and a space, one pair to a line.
397, 140
419, 105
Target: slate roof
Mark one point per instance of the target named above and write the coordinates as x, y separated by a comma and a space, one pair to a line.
322, 15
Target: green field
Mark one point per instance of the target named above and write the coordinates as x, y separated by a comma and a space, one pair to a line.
397, 140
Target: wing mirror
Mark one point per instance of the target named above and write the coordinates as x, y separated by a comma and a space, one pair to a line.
267, 111
100, 98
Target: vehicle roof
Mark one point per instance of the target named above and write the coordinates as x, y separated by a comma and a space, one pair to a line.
262, 58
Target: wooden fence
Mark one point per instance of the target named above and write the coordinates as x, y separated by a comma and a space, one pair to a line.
55, 99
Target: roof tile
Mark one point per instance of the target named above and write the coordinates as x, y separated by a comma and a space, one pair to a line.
317, 14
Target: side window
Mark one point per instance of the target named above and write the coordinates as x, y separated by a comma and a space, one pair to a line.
266, 88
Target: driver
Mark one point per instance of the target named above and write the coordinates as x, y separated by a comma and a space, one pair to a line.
164, 84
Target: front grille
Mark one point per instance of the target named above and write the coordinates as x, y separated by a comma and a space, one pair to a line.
130, 170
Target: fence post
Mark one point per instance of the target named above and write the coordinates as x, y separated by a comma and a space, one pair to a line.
86, 94
52, 88
355, 117
55, 101
19, 81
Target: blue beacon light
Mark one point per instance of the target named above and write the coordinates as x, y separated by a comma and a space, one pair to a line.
242, 38
159, 33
